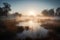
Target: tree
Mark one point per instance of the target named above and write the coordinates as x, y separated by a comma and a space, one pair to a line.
48, 12
45, 12
58, 11
4, 10
51, 12
1, 10
17, 14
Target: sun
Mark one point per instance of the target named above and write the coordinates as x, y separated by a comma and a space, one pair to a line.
31, 13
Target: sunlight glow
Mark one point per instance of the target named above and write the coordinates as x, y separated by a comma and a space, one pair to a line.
31, 13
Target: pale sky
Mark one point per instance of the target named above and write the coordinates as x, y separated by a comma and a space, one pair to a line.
24, 6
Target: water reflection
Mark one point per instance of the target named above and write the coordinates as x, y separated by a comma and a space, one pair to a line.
34, 30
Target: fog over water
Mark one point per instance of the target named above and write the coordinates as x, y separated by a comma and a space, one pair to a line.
35, 30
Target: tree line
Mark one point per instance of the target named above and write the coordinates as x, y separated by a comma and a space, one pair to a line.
51, 12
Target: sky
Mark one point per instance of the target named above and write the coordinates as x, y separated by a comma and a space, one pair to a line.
24, 6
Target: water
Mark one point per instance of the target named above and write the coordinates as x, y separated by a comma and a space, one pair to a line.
35, 30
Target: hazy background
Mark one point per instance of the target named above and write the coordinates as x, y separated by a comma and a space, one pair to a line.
23, 5
17, 26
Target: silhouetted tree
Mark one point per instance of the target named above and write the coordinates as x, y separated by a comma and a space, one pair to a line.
4, 10
45, 12
1, 10
58, 11
17, 14
51, 12
48, 12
